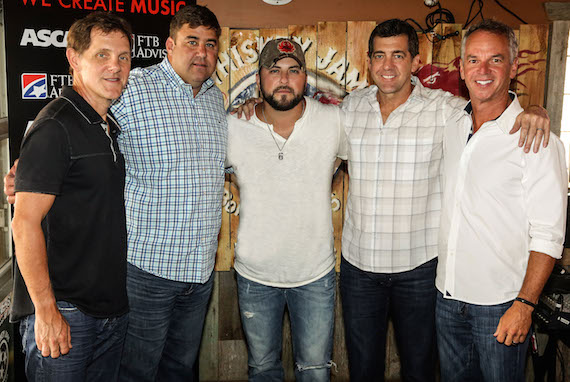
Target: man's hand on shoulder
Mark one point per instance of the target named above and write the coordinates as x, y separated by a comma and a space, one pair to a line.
9, 183
534, 125
247, 108
514, 325
53, 335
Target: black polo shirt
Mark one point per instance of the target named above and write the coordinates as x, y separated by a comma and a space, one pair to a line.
67, 153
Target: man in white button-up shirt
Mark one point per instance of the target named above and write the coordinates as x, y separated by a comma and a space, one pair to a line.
503, 220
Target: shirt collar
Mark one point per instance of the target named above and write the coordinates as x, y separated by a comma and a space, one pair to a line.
505, 121
81, 105
175, 79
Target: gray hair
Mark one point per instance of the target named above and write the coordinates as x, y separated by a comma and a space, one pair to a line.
496, 28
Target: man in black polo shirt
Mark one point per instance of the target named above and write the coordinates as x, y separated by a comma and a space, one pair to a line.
69, 223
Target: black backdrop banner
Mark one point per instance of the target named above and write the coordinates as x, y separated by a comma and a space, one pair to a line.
36, 37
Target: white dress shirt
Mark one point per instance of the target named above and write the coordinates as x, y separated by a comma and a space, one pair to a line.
499, 203
394, 197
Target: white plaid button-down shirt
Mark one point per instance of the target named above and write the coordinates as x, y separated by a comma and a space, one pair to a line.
394, 199
174, 146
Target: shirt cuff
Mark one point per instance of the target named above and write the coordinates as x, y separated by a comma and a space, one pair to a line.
547, 247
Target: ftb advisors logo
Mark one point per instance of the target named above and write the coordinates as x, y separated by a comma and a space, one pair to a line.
34, 86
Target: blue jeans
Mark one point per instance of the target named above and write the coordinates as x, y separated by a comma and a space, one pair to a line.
468, 351
95, 355
165, 327
311, 312
409, 297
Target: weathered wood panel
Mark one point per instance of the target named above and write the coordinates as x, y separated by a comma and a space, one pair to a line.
306, 36
557, 70
331, 59
426, 48
267, 34
531, 75
445, 59
209, 357
557, 10
229, 321
357, 33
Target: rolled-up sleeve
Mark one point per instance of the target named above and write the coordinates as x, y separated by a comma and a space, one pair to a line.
545, 183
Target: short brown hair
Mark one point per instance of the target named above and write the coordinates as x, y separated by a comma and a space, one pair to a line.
195, 16
79, 36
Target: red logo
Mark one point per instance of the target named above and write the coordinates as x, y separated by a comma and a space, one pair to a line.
286, 47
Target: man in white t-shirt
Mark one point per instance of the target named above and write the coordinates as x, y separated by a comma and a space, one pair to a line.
284, 257
502, 221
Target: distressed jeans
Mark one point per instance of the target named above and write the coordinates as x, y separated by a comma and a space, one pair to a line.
311, 312
468, 351
95, 355
165, 327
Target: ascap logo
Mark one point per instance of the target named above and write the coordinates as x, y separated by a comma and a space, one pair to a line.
44, 38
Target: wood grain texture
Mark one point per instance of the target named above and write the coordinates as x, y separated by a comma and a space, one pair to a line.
557, 10
357, 33
339, 355
229, 318
267, 34
531, 75
556, 71
233, 361
446, 54
209, 357
426, 48
331, 58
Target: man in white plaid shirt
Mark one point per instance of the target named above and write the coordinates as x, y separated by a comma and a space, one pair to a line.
390, 234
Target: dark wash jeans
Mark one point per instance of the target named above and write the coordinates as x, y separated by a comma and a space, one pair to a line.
165, 327
468, 351
96, 353
368, 299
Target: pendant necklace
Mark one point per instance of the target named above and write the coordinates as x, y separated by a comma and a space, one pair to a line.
280, 155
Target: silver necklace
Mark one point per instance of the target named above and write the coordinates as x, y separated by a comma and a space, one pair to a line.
280, 155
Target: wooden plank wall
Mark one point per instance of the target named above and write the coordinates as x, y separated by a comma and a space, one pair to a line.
336, 62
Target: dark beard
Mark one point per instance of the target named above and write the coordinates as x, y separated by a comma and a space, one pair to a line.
280, 106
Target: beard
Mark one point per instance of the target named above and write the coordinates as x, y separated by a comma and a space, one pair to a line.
281, 105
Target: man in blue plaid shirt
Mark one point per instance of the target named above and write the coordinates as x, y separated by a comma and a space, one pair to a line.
174, 138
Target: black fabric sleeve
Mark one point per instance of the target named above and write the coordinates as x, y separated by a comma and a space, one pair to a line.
44, 158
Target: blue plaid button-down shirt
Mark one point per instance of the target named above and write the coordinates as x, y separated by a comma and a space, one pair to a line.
174, 147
